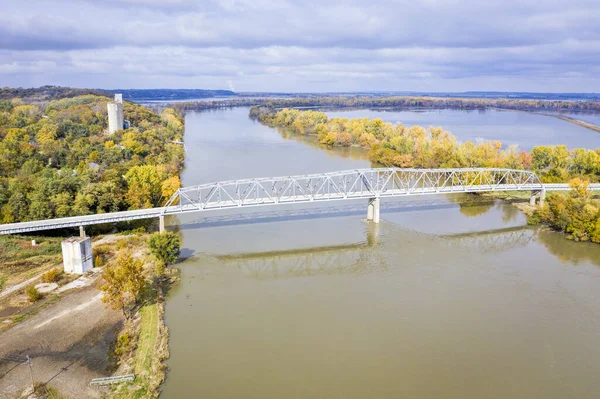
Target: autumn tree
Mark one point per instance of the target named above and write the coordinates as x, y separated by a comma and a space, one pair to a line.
144, 186
123, 283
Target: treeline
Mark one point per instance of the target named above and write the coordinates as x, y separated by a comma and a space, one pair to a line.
415, 146
398, 102
46, 93
57, 160
170, 94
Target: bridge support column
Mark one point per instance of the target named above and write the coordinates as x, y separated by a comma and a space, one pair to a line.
532, 199
81, 232
542, 196
161, 223
373, 210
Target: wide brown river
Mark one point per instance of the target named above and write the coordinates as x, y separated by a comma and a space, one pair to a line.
449, 297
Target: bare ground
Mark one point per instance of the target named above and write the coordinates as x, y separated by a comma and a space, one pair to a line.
68, 342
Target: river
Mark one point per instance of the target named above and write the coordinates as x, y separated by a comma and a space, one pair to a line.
446, 298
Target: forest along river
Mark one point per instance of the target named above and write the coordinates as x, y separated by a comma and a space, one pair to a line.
510, 127
443, 299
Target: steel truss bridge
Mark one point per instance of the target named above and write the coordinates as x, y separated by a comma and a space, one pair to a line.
371, 184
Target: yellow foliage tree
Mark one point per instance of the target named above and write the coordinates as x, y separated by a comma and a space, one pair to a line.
123, 283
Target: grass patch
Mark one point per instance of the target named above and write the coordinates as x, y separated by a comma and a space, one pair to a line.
144, 356
19, 260
147, 339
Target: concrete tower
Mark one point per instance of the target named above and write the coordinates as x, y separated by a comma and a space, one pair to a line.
115, 114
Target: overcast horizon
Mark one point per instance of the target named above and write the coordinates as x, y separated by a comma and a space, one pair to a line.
291, 46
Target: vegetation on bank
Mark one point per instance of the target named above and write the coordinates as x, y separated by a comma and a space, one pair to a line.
575, 213
361, 101
57, 160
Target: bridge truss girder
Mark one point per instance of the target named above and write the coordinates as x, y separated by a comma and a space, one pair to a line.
351, 184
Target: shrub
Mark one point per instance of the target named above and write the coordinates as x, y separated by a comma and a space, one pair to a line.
534, 219
122, 344
33, 294
165, 247
51, 275
98, 261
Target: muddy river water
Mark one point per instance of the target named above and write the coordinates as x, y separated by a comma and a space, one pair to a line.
446, 298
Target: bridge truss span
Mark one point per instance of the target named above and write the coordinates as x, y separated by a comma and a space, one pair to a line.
371, 184
350, 184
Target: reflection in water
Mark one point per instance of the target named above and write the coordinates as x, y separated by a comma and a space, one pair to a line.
510, 214
472, 205
492, 241
568, 251
364, 258
352, 152
317, 261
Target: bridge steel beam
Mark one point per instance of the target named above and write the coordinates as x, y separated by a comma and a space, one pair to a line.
345, 185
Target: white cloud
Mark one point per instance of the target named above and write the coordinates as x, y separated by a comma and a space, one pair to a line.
292, 45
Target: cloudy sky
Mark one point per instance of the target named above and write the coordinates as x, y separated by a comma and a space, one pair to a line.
296, 45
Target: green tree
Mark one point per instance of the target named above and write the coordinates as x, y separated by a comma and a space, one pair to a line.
165, 247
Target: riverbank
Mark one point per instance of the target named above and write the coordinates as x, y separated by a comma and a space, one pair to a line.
149, 336
587, 125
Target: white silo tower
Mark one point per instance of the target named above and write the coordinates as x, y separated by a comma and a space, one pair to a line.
115, 114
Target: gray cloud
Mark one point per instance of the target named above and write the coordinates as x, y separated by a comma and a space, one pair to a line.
292, 45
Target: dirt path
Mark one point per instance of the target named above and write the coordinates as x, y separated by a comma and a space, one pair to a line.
17, 287
68, 342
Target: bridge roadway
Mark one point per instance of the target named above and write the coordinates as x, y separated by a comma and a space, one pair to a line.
371, 184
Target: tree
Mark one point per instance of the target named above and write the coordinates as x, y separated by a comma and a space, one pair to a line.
169, 187
165, 247
144, 186
123, 283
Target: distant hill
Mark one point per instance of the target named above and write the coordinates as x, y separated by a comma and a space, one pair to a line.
170, 94
46, 93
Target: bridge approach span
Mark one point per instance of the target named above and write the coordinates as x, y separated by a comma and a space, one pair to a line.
371, 184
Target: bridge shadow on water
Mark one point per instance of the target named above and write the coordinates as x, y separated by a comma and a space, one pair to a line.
369, 256
312, 213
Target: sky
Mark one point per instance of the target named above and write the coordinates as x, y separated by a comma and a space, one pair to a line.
303, 46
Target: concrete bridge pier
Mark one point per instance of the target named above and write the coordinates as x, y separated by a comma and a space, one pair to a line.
541, 193
161, 223
373, 210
